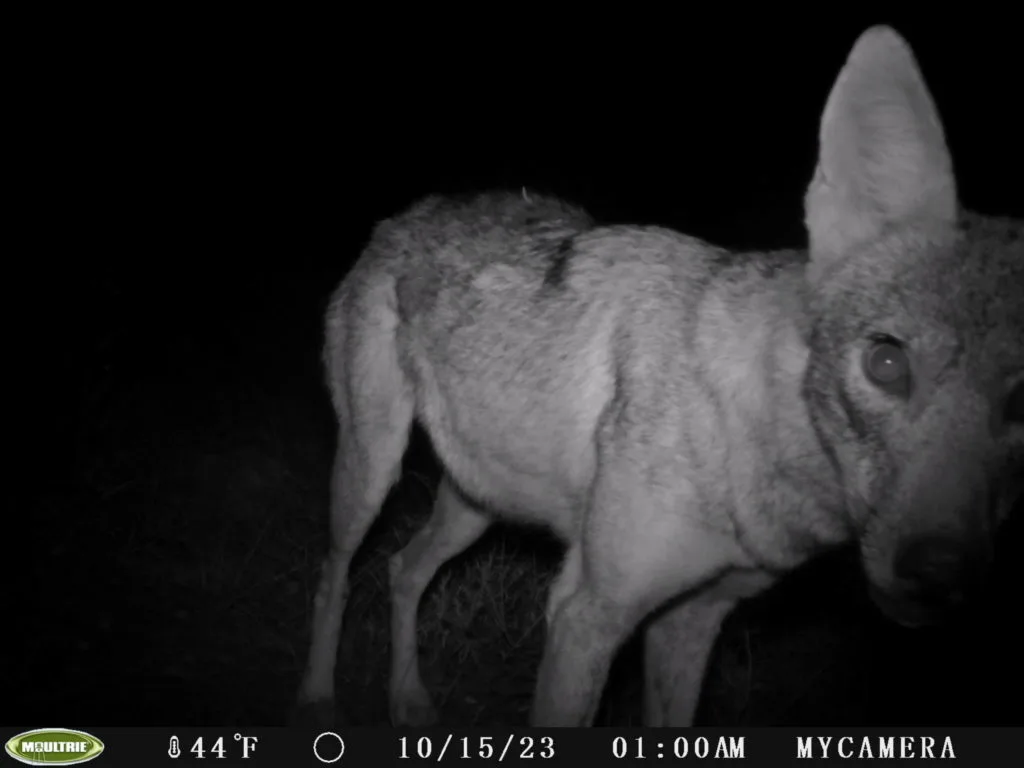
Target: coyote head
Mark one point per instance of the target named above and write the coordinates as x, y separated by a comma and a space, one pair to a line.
915, 381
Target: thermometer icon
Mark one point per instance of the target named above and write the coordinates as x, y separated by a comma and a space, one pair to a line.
175, 750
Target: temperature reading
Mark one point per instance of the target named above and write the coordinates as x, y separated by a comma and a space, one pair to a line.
217, 749
248, 744
202, 749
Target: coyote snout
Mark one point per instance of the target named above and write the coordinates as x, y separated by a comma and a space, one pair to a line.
933, 576
932, 479
926, 573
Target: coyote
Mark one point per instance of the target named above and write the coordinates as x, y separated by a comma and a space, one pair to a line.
692, 422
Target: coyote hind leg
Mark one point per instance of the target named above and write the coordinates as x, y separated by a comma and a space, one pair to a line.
374, 404
453, 526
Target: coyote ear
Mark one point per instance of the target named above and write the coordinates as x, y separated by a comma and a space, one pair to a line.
882, 156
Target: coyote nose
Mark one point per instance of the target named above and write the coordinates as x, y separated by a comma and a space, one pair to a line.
936, 569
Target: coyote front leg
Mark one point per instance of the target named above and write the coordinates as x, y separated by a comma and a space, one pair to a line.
584, 633
639, 547
677, 648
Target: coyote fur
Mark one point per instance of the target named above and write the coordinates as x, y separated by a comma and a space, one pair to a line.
692, 422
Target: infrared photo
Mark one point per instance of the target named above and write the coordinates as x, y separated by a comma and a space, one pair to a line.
655, 375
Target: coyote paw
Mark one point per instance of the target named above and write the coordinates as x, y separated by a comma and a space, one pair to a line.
413, 707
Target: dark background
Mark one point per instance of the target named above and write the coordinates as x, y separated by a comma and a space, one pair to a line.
195, 191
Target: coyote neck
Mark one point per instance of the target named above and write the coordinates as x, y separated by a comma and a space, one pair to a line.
787, 495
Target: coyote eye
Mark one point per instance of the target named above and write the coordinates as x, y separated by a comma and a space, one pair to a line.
886, 365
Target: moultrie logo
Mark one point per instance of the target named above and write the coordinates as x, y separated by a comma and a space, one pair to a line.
54, 746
